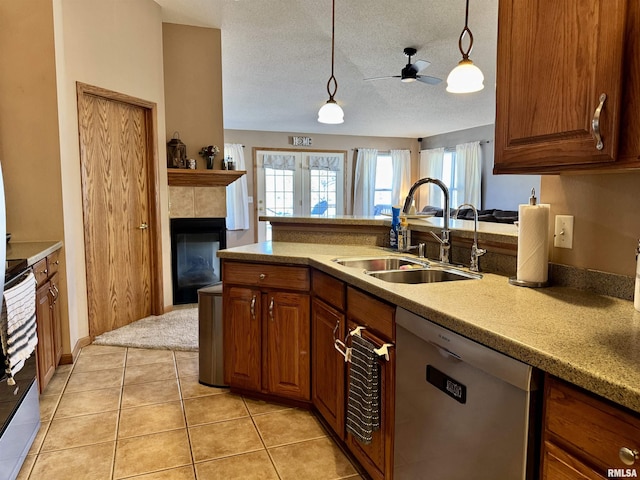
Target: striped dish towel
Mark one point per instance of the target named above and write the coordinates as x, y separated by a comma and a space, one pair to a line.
363, 402
18, 325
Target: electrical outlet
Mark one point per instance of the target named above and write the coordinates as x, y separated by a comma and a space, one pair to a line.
249, 199
563, 234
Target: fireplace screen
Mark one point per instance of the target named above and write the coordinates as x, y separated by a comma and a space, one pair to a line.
194, 263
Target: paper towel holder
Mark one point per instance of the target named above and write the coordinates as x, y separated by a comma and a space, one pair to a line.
524, 283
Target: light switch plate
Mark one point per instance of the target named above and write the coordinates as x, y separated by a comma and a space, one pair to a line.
563, 234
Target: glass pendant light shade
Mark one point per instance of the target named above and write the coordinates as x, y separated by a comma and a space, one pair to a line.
465, 78
331, 113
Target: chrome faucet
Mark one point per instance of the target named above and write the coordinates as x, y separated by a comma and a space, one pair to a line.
476, 252
445, 246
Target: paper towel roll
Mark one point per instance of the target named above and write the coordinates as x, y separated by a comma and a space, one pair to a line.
533, 243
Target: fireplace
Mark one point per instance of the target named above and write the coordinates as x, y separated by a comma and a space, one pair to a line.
194, 264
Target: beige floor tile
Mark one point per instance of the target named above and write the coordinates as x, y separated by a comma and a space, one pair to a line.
37, 442
182, 473
92, 462
150, 419
151, 453
149, 373
82, 381
190, 387
249, 466
288, 426
84, 403
101, 350
92, 363
57, 383
258, 407
214, 408
79, 431
64, 369
27, 465
48, 404
187, 365
318, 459
142, 356
150, 393
223, 439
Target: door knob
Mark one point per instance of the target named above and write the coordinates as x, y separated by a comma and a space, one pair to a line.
143, 226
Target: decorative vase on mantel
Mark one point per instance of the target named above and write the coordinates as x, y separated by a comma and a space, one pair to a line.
209, 153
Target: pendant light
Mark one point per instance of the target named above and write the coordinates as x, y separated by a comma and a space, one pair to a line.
465, 77
331, 112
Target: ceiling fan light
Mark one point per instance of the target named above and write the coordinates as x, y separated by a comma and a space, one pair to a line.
331, 113
408, 79
465, 78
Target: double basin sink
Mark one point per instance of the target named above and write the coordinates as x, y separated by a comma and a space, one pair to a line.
399, 269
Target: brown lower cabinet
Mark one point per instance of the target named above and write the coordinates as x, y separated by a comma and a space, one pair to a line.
584, 435
49, 328
267, 338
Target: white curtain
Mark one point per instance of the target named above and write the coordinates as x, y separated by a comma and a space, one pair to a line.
319, 162
237, 195
430, 166
401, 163
279, 162
364, 183
469, 173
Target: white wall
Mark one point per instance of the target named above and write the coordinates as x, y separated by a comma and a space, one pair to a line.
504, 192
117, 45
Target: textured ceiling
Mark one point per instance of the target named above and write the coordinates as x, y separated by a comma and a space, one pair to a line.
276, 60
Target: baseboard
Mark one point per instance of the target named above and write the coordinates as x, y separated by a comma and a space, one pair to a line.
69, 358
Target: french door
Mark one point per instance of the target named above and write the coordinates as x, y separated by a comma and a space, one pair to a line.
300, 182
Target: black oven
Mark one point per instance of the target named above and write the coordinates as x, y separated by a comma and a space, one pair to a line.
19, 404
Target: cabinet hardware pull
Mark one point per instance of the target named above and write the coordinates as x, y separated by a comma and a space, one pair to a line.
271, 309
335, 329
262, 276
143, 226
595, 122
628, 456
253, 307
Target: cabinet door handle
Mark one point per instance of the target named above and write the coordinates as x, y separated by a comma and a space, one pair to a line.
595, 122
628, 456
253, 307
262, 276
271, 309
335, 329
143, 226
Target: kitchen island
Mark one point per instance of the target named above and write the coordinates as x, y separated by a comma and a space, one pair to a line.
588, 340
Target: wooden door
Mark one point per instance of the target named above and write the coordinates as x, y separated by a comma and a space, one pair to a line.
328, 372
242, 337
120, 224
288, 341
555, 60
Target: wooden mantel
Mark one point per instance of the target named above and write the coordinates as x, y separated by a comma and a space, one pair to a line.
182, 177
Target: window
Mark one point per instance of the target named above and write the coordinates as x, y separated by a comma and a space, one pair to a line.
298, 183
384, 181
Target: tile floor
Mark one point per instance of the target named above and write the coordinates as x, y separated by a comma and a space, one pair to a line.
136, 413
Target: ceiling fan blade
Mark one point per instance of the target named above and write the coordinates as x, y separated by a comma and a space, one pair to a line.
380, 78
428, 79
420, 65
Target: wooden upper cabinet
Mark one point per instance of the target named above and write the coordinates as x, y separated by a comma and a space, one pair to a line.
556, 60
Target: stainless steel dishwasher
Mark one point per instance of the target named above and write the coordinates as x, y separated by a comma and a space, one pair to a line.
463, 411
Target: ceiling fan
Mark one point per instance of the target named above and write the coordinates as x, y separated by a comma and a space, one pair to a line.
410, 71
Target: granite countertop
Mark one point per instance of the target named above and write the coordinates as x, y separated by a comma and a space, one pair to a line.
592, 341
31, 251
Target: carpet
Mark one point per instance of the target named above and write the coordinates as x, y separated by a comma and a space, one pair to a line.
176, 330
